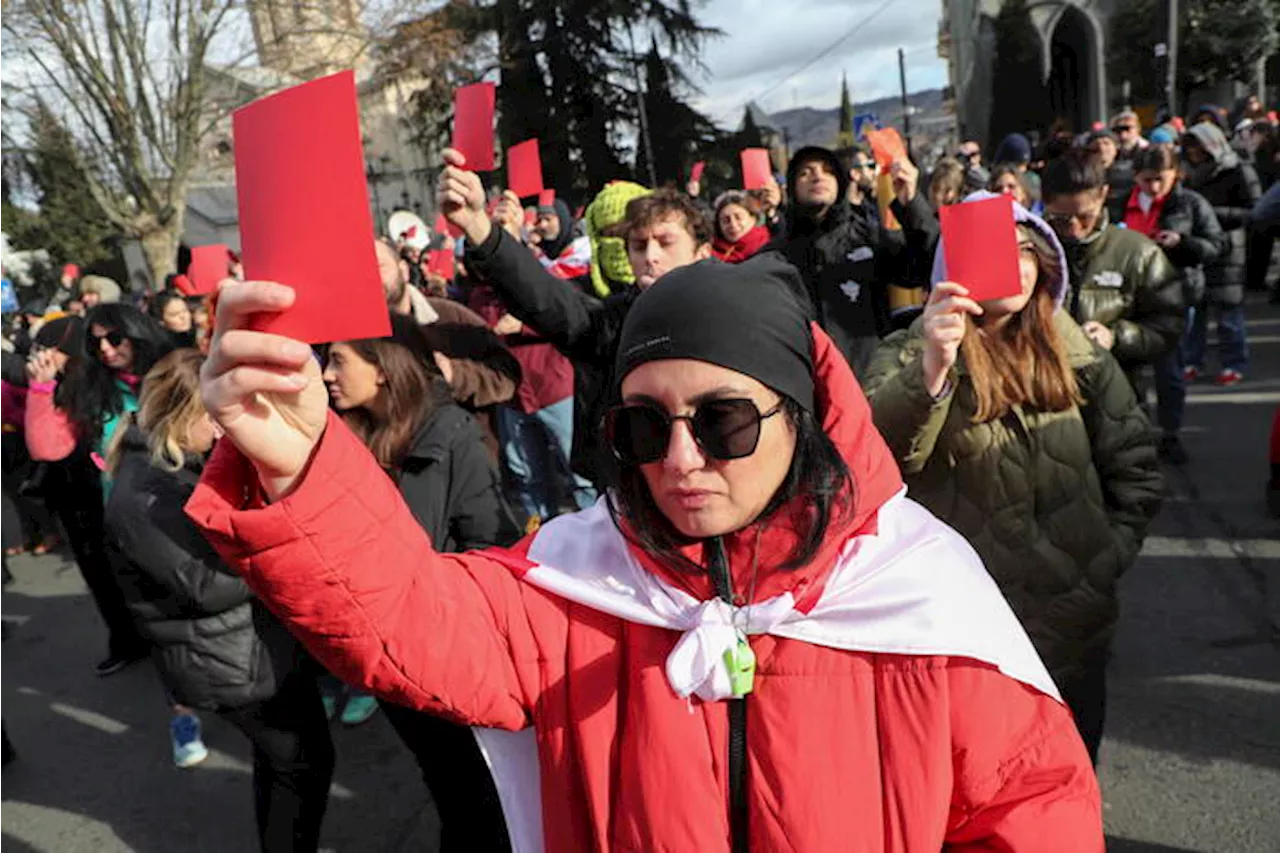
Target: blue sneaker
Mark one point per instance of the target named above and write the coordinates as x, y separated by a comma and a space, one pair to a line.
359, 708
188, 749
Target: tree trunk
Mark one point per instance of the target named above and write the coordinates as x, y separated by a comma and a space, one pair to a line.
160, 245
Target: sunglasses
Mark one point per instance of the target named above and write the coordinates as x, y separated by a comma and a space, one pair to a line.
865, 167
1124, 128
1084, 218
115, 338
724, 429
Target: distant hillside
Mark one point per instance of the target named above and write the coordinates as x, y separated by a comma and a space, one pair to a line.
808, 126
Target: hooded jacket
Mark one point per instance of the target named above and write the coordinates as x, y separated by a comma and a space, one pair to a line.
1056, 503
1232, 188
851, 742
1188, 214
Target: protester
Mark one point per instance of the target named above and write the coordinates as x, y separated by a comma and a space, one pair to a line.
98, 290
73, 410
738, 234
565, 254
1015, 150
609, 643
23, 479
1264, 224
847, 263
1104, 147
1216, 172
605, 223
862, 186
1127, 127
68, 287
402, 297
1023, 435
169, 308
215, 647
1183, 224
389, 393
1125, 294
946, 183
975, 175
1006, 180
1211, 114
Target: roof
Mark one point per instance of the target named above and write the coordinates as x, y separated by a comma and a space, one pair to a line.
762, 119
214, 204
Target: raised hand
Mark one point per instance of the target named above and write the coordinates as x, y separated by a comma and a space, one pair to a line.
264, 390
944, 328
462, 199
42, 366
906, 177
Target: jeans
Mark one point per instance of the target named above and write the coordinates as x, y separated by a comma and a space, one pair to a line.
1233, 348
1171, 391
535, 453
293, 762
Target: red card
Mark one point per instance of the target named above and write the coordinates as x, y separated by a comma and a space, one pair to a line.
886, 146
980, 247
444, 226
530, 216
757, 171
698, 168
440, 262
473, 125
546, 198
209, 265
524, 169
304, 211
182, 284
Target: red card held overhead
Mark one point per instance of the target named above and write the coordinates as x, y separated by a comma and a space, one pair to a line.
886, 146
473, 125
546, 198
304, 211
757, 171
524, 169
698, 168
209, 265
980, 247
444, 226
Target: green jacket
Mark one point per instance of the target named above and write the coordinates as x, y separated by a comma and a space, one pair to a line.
1055, 503
1125, 281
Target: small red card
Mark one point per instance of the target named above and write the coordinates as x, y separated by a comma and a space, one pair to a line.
304, 211
473, 125
757, 171
886, 146
546, 198
698, 168
209, 265
980, 247
440, 262
524, 169
530, 216
444, 226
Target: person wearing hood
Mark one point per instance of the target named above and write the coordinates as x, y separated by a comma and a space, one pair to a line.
1231, 187
1125, 294
1024, 435
755, 641
847, 263
563, 253
862, 186
738, 232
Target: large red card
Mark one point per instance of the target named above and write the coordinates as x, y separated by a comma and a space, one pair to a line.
524, 169
304, 211
980, 247
209, 265
757, 171
886, 146
473, 125
698, 168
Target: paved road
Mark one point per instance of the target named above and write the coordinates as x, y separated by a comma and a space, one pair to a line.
1191, 762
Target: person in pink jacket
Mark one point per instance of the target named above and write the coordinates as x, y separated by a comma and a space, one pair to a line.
754, 641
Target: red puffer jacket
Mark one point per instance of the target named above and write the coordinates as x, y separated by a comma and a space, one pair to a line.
849, 746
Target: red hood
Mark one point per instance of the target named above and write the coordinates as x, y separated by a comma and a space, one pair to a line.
846, 418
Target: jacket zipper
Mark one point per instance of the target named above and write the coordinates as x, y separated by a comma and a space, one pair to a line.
718, 566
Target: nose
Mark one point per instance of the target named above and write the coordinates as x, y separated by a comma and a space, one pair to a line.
104, 346
329, 375
683, 453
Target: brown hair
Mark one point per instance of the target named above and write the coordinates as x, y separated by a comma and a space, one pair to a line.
666, 203
1024, 363
1010, 169
168, 408
1156, 158
947, 179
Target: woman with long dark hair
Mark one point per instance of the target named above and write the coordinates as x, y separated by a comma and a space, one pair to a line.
770, 647
392, 396
169, 308
71, 417
1024, 436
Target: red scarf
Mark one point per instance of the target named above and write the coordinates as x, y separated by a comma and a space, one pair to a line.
735, 253
1144, 223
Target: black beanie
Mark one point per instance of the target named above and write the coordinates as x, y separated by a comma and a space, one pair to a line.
65, 334
744, 317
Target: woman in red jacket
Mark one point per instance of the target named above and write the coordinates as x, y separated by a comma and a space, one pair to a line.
756, 642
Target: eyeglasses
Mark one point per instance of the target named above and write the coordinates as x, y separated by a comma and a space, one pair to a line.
1084, 218
724, 429
865, 167
1124, 128
115, 338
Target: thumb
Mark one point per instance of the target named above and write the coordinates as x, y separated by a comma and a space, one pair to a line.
454, 157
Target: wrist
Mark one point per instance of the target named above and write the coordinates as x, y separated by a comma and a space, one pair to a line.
478, 229
934, 374
42, 386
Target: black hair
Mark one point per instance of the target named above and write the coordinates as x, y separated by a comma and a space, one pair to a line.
818, 485
1074, 172
90, 395
160, 301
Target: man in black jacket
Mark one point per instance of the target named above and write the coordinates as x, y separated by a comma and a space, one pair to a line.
847, 261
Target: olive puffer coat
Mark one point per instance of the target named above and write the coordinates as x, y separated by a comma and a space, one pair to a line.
1056, 503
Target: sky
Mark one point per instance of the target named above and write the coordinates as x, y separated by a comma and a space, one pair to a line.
766, 40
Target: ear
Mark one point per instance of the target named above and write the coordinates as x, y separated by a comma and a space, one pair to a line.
382, 377
703, 252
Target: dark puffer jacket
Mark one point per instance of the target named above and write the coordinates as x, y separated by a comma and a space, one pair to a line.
1056, 503
214, 645
1186, 213
1232, 187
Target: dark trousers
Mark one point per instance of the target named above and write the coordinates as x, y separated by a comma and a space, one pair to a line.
1171, 391
1086, 696
458, 778
34, 522
292, 763
74, 495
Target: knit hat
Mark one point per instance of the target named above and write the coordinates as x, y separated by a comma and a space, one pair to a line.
1163, 135
1014, 148
744, 317
812, 152
106, 288
609, 262
65, 334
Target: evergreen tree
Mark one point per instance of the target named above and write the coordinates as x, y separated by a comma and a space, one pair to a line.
679, 134
845, 138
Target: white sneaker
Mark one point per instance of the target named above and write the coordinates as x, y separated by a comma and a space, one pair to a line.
188, 748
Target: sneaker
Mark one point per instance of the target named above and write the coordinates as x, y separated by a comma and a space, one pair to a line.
359, 708
188, 748
1171, 450
114, 663
1228, 377
1190, 374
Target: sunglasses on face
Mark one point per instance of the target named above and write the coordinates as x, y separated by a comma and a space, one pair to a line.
724, 429
864, 167
1124, 128
1084, 218
115, 338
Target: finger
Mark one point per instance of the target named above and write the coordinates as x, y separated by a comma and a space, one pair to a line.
235, 386
240, 347
452, 198
238, 300
453, 157
943, 289
510, 197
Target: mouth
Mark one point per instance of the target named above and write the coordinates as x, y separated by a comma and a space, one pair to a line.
691, 499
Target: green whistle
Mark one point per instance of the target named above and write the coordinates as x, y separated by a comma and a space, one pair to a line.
741, 663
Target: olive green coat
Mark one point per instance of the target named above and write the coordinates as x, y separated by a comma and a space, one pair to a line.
1056, 503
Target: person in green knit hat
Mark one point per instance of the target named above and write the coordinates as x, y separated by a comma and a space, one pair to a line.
610, 267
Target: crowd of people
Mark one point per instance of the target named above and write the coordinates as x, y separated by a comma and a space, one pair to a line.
746, 514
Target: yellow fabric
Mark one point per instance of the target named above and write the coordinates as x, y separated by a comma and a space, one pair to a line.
609, 254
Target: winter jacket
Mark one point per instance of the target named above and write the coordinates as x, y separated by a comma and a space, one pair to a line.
848, 262
451, 487
1056, 503
846, 747
1232, 187
749, 244
1203, 242
546, 374
1123, 280
212, 644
